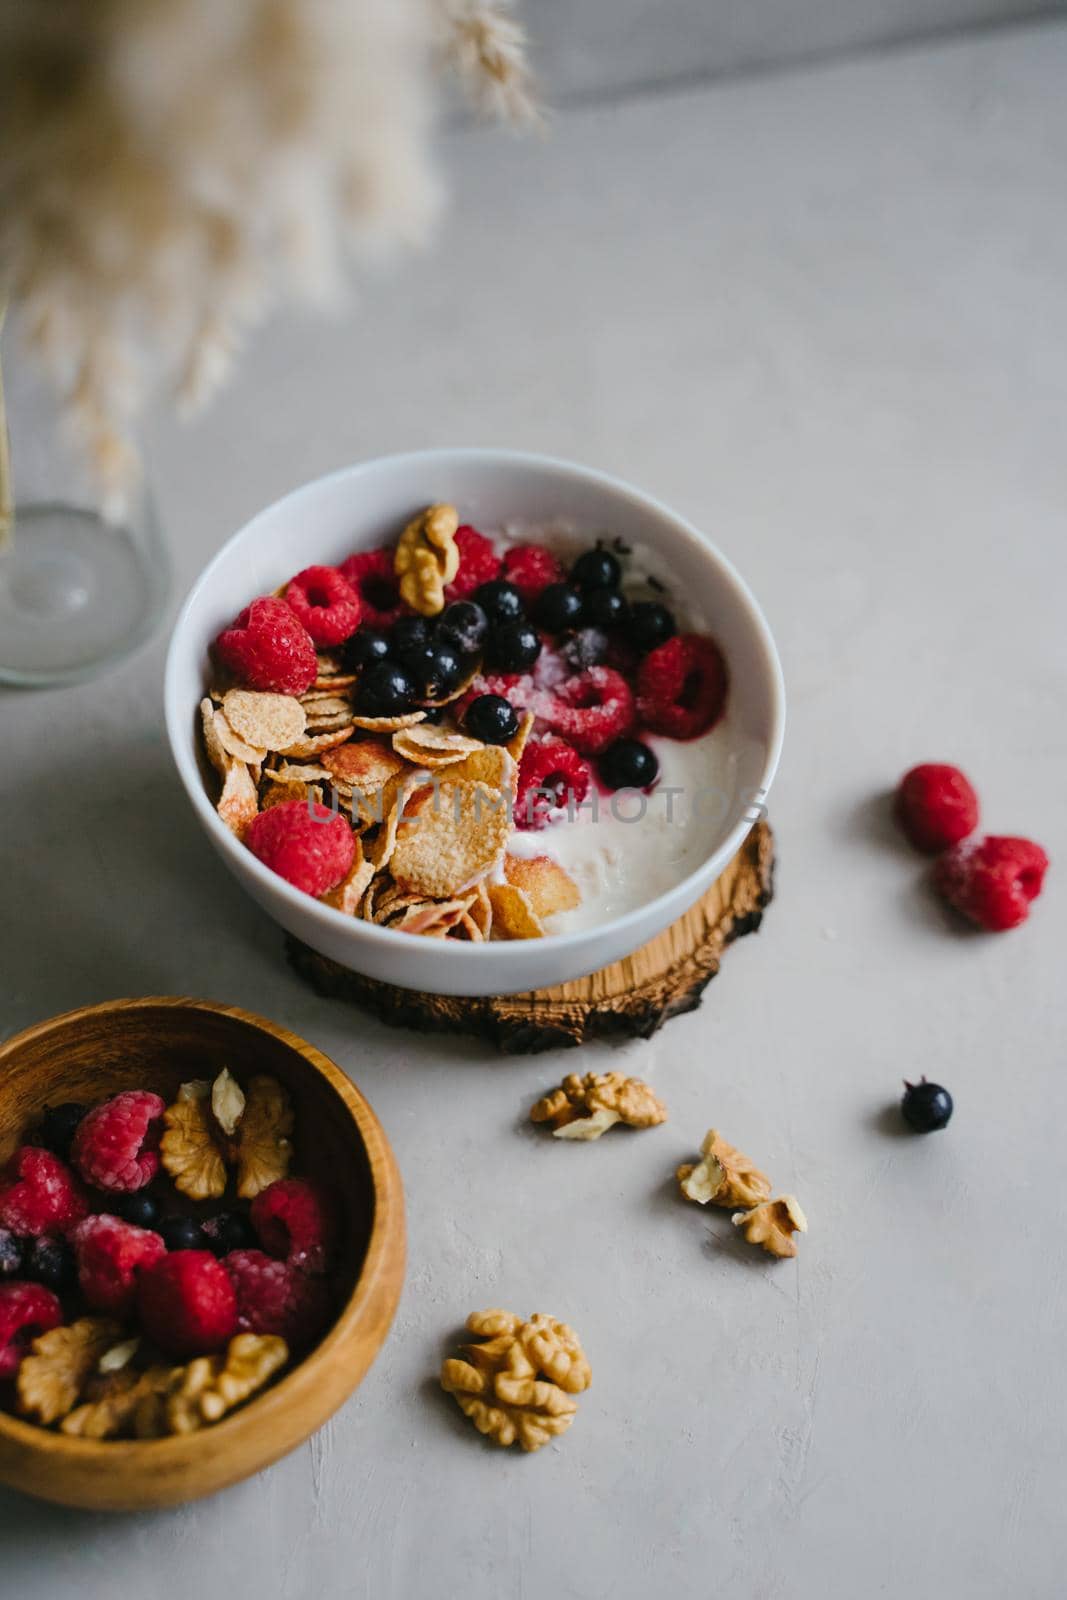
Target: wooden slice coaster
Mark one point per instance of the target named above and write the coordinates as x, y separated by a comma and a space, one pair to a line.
629, 999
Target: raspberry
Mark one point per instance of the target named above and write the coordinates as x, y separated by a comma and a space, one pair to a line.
311, 851
275, 1297
268, 647
39, 1194
531, 568
296, 1222
326, 604
992, 880
187, 1304
109, 1254
370, 573
592, 710
936, 806
478, 563
681, 687
116, 1145
551, 774
26, 1310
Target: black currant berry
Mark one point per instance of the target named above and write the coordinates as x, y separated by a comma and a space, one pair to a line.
606, 608
182, 1233
926, 1106
139, 1208
365, 647
51, 1262
491, 719
230, 1230
514, 647
651, 624
500, 601
385, 690
596, 569
58, 1127
463, 625
10, 1254
628, 764
558, 608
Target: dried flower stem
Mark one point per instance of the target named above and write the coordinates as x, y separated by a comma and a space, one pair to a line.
7, 501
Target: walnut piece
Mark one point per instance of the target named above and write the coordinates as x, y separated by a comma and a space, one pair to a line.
773, 1224
51, 1377
227, 1102
189, 1149
264, 1148
427, 558
212, 1126
723, 1176
584, 1108
519, 1382
213, 1385
119, 1404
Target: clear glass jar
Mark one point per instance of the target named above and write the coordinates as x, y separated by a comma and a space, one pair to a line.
77, 592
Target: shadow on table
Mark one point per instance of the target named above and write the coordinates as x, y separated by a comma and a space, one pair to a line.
114, 891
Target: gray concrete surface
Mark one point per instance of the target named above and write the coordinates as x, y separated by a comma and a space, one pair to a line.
824, 316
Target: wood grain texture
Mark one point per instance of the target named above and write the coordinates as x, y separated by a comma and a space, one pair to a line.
157, 1043
629, 999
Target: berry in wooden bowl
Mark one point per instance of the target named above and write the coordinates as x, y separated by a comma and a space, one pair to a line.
196, 1208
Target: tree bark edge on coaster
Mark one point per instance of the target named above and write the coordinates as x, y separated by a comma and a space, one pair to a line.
630, 999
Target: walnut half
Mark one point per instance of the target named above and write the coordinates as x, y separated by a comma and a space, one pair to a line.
773, 1225
584, 1108
51, 1377
519, 1383
723, 1176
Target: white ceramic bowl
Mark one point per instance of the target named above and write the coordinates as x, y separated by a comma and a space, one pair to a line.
367, 505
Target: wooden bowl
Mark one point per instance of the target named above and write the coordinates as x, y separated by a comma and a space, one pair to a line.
156, 1044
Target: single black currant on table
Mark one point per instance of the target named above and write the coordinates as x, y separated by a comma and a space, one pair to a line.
926, 1106
58, 1127
408, 638
514, 646
385, 690
11, 1252
586, 648
606, 608
140, 1209
50, 1261
366, 646
596, 569
230, 1230
182, 1233
500, 601
464, 626
558, 607
651, 625
628, 764
491, 719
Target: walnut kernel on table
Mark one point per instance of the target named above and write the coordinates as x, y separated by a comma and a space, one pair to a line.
723, 1176
519, 1383
584, 1108
773, 1225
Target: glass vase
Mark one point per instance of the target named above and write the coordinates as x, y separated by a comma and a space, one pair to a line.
77, 592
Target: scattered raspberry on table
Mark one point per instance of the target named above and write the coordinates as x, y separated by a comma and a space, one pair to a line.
992, 880
936, 806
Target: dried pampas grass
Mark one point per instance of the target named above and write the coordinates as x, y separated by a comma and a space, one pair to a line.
171, 170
